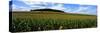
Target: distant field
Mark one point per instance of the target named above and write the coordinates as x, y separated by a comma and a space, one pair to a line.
40, 21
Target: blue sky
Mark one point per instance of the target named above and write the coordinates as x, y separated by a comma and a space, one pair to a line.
70, 8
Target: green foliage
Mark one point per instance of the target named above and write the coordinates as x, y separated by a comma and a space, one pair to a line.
39, 22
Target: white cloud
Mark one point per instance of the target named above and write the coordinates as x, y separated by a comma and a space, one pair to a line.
35, 4
14, 6
37, 7
82, 10
58, 6
17, 8
31, 2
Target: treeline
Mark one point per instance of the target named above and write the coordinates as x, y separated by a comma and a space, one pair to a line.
51, 10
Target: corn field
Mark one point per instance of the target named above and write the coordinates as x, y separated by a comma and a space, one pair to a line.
30, 21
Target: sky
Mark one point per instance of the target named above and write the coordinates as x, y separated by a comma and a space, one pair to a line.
21, 5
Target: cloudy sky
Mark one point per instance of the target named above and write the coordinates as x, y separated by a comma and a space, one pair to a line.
21, 5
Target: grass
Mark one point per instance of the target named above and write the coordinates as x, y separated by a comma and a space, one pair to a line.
37, 21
